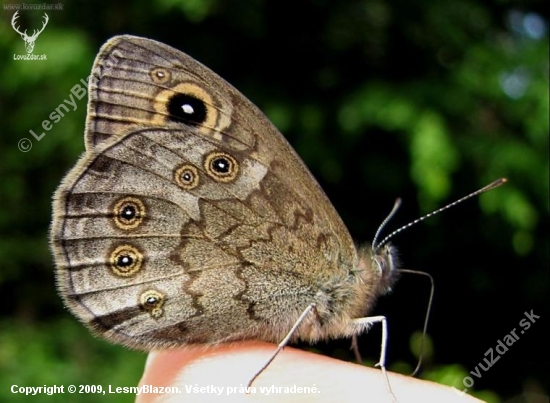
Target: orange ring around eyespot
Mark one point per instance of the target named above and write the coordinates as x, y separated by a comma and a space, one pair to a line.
189, 169
130, 252
123, 223
229, 176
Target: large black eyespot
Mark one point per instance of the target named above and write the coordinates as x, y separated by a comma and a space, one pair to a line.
125, 260
187, 109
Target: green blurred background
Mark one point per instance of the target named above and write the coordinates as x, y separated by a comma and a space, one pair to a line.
424, 100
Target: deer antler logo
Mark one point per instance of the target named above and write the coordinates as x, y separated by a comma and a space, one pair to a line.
29, 40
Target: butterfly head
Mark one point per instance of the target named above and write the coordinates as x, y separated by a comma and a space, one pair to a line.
378, 270
385, 262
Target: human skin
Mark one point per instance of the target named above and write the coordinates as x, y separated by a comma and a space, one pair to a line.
234, 364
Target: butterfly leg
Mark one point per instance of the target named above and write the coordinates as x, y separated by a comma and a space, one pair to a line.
355, 348
365, 322
284, 342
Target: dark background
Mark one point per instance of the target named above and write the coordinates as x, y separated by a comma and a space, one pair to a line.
423, 100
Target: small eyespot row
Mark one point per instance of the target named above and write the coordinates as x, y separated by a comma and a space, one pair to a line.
129, 213
126, 260
152, 301
160, 75
221, 166
187, 177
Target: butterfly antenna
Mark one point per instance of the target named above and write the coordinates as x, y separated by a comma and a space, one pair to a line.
381, 227
426, 318
490, 186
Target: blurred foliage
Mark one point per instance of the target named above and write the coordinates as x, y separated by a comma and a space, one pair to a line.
425, 100
57, 352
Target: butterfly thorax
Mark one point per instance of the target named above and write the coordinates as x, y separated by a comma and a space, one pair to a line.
350, 295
